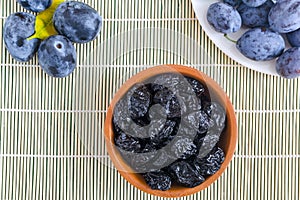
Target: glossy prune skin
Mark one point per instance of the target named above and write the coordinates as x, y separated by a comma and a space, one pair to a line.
284, 16
126, 142
255, 16
57, 56
294, 38
181, 96
183, 147
199, 121
163, 158
169, 101
158, 180
208, 142
216, 113
211, 163
197, 87
162, 133
185, 174
254, 3
17, 28
77, 21
35, 5
139, 105
288, 64
140, 162
223, 18
261, 44
121, 115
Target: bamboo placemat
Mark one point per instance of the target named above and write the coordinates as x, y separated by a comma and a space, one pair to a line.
51, 141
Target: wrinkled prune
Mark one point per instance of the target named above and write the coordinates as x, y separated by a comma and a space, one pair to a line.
211, 163
171, 81
157, 112
139, 105
174, 91
169, 101
158, 180
138, 131
198, 140
185, 174
206, 122
198, 87
140, 162
162, 132
163, 158
127, 142
155, 87
121, 115
183, 148
199, 121
217, 113
189, 102
209, 142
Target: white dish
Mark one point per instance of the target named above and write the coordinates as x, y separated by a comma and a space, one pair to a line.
228, 47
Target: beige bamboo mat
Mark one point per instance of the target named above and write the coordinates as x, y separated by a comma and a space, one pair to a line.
51, 141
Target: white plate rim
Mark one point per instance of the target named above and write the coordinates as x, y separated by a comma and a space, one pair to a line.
200, 8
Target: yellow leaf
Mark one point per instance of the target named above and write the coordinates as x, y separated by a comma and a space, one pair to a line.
43, 24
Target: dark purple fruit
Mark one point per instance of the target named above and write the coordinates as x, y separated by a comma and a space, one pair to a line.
211, 163
158, 180
185, 174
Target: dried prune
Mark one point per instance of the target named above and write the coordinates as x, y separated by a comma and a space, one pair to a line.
208, 143
158, 180
148, 147
183, 147
140, 162
198, 87
157, 112
217, 113
121, 115
138, 131
154, 87
199, 121
206, 122
162, 132
189, 102
169, 101
127, 142
175, 90
163, 158
211, 163
139, 104
198, 140
185, 174
172, 81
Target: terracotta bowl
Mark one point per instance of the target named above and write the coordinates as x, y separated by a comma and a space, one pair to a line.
227, 141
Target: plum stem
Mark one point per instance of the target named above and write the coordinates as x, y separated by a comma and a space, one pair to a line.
228, 38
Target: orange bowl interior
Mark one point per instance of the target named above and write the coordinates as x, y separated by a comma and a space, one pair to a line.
227, 141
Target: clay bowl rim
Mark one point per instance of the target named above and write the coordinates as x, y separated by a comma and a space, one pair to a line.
136, 179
